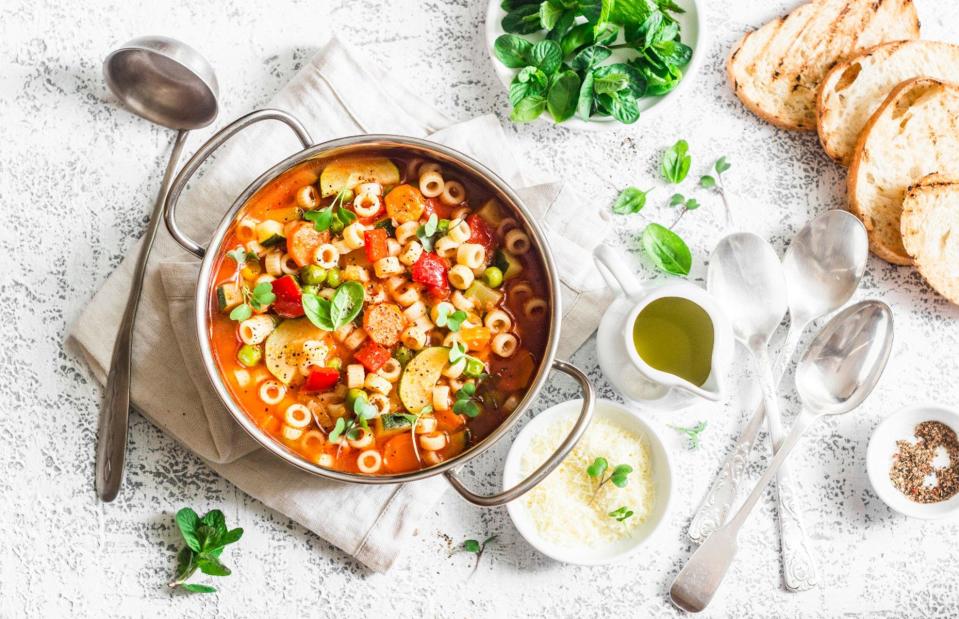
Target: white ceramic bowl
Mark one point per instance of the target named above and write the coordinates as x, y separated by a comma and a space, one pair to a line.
882, 447
693, 31
662, 483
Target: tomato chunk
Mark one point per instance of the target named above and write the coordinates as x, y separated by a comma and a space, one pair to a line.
481, 234
289, 299
375, 244
321, 379
372, 356
431, 271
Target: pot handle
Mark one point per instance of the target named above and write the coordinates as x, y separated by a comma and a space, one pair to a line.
585, 416
610, 264
205, 151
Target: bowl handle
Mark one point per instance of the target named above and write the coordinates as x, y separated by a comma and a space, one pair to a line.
205, 151
585, 416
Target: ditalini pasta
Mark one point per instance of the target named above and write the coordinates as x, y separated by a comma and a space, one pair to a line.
378, 314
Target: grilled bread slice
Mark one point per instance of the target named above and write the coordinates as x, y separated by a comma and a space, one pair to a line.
853, 89
930, 231
914, 132
776, 70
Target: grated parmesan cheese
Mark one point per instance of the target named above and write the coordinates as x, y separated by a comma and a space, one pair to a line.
562, 506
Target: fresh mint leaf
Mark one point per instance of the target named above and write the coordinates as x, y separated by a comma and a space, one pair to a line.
584, 105
549, 15
214, 519
513, 51
523, 19
187, 521
666, 250
630, 200
624, 109
212, 566
590, 57
576, 37
529, 109
197, 588
547, 56
563, 94
610, 83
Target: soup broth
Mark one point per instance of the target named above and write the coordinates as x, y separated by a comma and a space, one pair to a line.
675, 335
378, 313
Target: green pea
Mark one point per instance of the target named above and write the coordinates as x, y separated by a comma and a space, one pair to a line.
403, 354
493, 277
336, 226
249, 355
333, 278
312, 275
310, 289
474, 367
336, 363
352, 396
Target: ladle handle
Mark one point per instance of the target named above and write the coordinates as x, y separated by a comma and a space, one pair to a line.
611, 265
208, 149
557, 457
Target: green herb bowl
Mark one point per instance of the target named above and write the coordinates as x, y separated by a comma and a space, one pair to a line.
694, 34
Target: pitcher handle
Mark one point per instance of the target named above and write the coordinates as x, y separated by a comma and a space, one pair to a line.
205, 151
611, 266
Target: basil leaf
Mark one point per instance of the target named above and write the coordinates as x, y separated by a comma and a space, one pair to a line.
666, 249
625, 109
576, 37
584, 107
563, 94
629, 200
346, 303
549, 15
590, 57
513, 51
673, 52
195, 588
523, 19
676, 162
547, 56
529, 109
187, 521
317, 310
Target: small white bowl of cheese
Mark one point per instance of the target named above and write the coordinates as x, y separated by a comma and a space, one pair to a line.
565, 517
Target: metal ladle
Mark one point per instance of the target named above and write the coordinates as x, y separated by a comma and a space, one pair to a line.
171, 84
823, 266
837, 373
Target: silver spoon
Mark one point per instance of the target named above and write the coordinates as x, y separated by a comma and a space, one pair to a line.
168, 83
823, 266
837, 373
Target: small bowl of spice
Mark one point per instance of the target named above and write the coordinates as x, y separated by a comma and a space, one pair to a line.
608, 495
913, 461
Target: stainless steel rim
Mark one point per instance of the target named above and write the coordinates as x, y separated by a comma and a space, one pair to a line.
338, 147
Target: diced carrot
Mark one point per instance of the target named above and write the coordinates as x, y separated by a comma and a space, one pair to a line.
398, 455
448, 420
405, 203
475, 338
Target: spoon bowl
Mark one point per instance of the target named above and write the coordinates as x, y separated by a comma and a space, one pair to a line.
824, 264
844, 362
746, 277
163, 80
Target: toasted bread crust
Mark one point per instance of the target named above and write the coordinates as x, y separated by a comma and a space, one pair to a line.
930, 215
853, 90
776, 70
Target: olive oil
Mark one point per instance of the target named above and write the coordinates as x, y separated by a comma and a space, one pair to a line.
675, 335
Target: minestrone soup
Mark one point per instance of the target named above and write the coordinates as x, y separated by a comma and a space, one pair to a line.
377, 314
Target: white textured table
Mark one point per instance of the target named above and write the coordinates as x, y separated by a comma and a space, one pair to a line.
77, 175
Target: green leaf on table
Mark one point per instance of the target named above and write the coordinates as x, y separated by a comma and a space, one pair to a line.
197, 588
722, 165
513, 51
471, 545
666, 250
691, 204
621, 514
676, 162
187, 521
630, 200
563, 95
707, 182
211, 566
676, 199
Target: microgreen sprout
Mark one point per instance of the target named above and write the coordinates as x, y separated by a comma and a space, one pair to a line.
692, 433
598, 469
478, 548
715, 183
621, 514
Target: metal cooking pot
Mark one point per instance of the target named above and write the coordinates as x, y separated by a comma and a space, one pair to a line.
353, 145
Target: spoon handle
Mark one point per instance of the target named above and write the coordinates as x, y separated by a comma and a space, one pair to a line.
722, 493
799, 567
698, 581
115, 413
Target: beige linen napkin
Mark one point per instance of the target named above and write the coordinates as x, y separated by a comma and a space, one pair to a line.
334, 95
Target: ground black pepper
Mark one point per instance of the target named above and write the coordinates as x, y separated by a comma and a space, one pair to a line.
913, 464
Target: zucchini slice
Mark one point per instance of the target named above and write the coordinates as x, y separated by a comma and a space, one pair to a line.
228, 296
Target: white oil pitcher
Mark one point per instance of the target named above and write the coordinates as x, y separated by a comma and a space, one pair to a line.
662, 345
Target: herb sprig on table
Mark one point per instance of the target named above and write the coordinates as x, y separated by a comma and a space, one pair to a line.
205, 540
564, 74
692, 433
478, 548
662, 245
